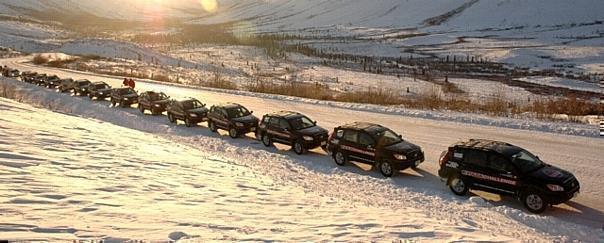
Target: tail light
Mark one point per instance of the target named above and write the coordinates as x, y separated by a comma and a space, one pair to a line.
445, 156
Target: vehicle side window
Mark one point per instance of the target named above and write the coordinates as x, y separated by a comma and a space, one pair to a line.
458, 154
274, 122
365, 139
499, 163
350, 136
339, 133
266, 119
283, 124
476, 157
223, 112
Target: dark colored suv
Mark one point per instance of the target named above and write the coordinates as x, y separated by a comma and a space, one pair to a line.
373, 144
191, 111
291, 128
39, 79
27, 76
232, 117
125, 97
99, 90
51, 82
65, 85
80, 87
506, 169
156, 102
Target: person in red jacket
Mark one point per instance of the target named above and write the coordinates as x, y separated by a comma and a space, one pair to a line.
125, 83
132, 84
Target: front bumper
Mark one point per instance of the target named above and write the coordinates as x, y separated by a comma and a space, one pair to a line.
315, 143
247, 128
561, 197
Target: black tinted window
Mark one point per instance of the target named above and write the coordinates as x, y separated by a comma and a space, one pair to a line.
499, 163
476, 157
366, 140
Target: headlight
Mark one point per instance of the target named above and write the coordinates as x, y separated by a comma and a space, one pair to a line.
193, 115
308, 138
101, 93
555, 188
239, 124
126, 99
83, 89
400, 156
157, 105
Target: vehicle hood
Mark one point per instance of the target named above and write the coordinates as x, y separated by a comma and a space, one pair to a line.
196, 110
246, 119
311, 131
403, 147
550, 174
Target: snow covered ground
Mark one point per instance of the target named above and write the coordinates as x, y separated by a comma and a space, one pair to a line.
349, 201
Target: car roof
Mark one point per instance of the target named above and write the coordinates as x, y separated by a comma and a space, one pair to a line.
489, 145
187, 99
83, 80
286, 114
100, 82
228, 105
366, 126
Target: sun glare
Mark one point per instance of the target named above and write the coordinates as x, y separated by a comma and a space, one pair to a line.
209, 5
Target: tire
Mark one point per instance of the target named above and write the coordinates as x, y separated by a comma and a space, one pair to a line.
386, 169
90, 96
340, 158
458, 186
233, 133
188, 122
266, 140
534, 202
141, 108
171, 118
299, 147
212, 126
113, 102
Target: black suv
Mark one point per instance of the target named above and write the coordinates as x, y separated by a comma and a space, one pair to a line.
156, 102
291, 128
12, 73
373, 144
191, 111
232, 117
27, 76
65, 85
79, 87
51, 82
506, 169
125, 97
99, 90
38, 79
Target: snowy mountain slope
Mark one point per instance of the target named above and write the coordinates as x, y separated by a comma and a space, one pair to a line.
418, 205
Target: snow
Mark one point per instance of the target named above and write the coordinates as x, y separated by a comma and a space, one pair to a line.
564, 83
77, 180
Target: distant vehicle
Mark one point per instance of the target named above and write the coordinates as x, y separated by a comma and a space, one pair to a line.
99, 90
125, 97
191, 111
11, 73
375, 145
506, 169
232, 117
51, 82
27, 75
80, 87
291, 128
65, 85
39, 79
156, 102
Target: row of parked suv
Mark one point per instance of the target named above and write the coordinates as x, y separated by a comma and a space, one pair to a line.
486, 165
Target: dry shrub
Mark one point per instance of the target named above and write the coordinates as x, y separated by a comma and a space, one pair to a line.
377, 96
305, 90
449, 87
220, 83
7, 90
40, 59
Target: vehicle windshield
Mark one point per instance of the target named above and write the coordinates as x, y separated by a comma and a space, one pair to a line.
236, 112
526, 161
101, 86
192, 104
83, 83
157, 96
125, 91
300, 123
388, 137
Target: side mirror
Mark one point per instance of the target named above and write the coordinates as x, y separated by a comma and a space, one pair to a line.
251, 112
400, 136
314, 122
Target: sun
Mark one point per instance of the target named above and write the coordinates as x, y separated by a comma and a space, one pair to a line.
209, 5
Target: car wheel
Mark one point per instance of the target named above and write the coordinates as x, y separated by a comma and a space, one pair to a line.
386, 169
233, 133
458, 186
298, 147
171, 118
188, 122
340, 158
266, 140
90, 96
534, 202
113, 102
212, 126
141, 108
